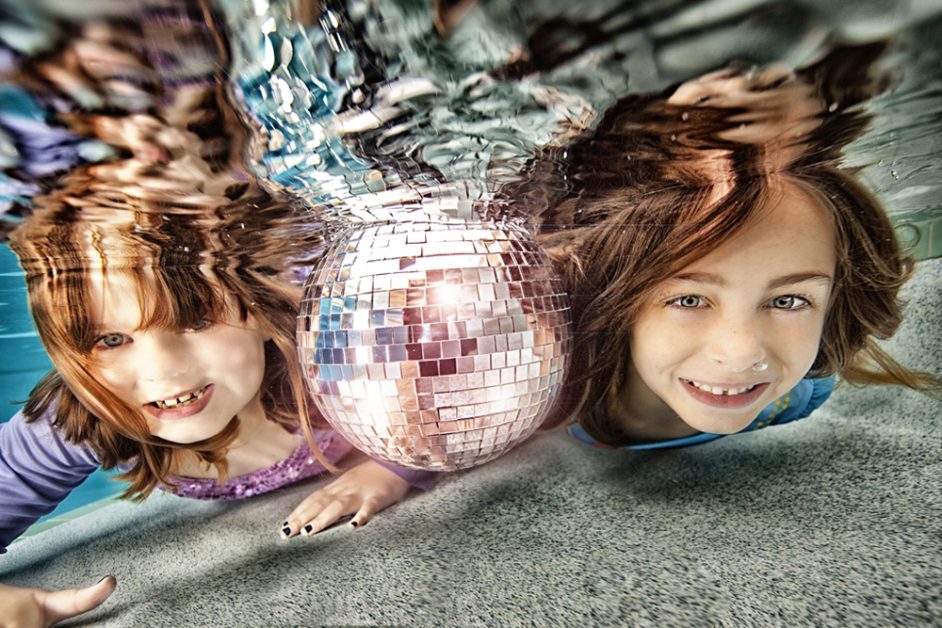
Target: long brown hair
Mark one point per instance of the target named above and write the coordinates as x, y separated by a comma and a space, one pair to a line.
658, 194
187, 265
613, 267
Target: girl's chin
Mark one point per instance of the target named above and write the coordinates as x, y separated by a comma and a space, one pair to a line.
724, 426
186, 437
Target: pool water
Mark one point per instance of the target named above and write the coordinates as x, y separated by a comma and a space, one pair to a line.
493, 111
25, 363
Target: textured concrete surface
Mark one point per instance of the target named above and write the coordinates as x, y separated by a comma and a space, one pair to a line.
834, 520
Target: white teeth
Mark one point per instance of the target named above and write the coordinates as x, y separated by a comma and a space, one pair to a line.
179, 401
716, 390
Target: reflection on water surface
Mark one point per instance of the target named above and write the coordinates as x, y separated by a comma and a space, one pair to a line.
429, 108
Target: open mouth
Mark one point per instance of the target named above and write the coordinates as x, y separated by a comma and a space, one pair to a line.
182, 406
716, 390
185, 400
725, 396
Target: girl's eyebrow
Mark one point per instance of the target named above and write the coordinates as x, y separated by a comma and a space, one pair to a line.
778, 282
707, 278
786, 280
99, 328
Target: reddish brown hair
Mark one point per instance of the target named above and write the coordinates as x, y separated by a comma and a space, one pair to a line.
187, 265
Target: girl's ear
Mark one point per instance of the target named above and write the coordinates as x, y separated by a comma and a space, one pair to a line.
264, 330
266, 335
257, 325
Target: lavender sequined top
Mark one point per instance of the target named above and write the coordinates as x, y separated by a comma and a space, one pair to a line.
298, 466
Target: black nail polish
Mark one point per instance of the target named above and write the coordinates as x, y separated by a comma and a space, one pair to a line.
286, 530
285, 524
308, 528
354, 523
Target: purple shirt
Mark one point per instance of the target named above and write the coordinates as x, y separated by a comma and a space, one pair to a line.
39, 468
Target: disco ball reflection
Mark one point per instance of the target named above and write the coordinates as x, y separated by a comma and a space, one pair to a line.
434, 345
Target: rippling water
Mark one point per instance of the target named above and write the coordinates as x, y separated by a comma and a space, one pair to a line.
310, 117
368, 109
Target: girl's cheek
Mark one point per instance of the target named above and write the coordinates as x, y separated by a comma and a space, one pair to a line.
241, 351
804, 343
109, 378
239, 354
117, 363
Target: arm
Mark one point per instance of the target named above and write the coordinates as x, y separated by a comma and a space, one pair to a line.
416, 478
38, 469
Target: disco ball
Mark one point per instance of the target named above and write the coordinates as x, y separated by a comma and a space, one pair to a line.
434, 346
433, 333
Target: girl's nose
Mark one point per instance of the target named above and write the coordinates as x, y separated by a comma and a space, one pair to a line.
737, 346
756, 367
162, 356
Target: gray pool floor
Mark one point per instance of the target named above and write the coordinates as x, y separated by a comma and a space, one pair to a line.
834, 520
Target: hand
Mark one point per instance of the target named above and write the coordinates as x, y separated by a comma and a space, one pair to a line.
362, 492
36, 607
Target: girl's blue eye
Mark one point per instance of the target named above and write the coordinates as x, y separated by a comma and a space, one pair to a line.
201, 325
112, 341
789, 302
688, 301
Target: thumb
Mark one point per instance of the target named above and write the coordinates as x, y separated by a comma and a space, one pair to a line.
59, 605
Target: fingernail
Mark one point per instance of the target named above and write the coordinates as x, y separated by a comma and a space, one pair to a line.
354, 523
285, 524
286, 531
308, 528
103, 578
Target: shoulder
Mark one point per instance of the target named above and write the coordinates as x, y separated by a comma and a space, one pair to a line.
39, 439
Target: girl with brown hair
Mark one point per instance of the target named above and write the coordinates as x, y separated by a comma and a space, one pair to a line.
161, 285
173, 342
723, 268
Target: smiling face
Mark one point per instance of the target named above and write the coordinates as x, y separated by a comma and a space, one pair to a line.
730, 333
188, 384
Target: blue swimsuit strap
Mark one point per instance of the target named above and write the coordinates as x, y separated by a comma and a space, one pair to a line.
577, 432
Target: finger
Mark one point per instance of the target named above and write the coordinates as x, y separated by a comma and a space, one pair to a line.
59, 605
709, 88
770, 77
305, 511
370, 507
327, 516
